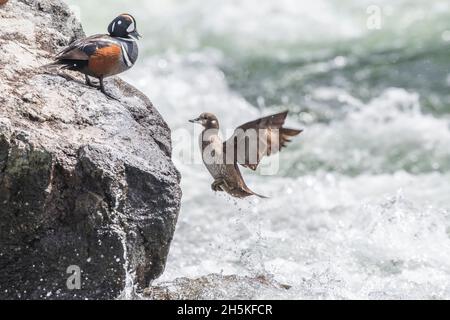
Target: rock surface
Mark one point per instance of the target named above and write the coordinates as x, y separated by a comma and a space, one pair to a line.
84, 180
214, 287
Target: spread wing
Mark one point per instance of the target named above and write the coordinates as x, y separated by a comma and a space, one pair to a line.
256, 139
82, 49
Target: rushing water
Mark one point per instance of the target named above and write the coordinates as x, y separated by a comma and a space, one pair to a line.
360, 207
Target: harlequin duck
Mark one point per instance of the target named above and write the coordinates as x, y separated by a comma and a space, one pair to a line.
103, 55
248, 145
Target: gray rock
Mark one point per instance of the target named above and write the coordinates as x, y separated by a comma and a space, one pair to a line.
84, 180
215, 287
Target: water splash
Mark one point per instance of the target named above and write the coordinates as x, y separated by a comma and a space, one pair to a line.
129, 291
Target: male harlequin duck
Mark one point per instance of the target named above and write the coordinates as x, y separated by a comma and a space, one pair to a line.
103, 55
248, 145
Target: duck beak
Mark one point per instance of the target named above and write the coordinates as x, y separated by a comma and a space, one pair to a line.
195, 120
136, 35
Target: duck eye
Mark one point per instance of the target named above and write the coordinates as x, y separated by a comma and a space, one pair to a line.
119, 22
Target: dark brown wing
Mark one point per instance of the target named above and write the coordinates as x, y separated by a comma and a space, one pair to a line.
256, 139
82, 49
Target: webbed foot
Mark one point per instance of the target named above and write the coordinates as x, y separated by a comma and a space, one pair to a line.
108, 95
217, 185
103, 90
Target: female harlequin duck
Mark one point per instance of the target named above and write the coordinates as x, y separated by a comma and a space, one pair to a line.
102, 56
250, 143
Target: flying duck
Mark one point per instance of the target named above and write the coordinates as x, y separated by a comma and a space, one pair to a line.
248, 145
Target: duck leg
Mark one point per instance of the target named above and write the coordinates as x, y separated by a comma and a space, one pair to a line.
89, 82
102, 89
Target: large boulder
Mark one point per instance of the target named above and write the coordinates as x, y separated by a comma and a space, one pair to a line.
86, 183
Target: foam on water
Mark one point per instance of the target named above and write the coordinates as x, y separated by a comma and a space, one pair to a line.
329, 236
388, 134
360, 206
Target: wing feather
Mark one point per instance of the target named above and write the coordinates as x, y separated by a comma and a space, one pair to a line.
82, 49
254, 140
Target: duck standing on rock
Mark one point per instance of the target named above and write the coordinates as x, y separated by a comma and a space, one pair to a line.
249, 144
103, 55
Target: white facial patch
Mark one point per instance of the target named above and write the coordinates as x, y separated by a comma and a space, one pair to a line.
119, 22
113, 26
132, 27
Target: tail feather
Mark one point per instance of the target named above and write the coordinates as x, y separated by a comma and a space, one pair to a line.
260, 196
57, 65
252, 193
65, 65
